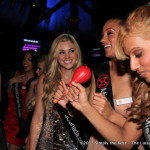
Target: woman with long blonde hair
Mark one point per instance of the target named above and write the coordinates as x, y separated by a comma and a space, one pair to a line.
64, 57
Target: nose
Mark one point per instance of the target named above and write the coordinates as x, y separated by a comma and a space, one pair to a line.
37, 72
67, 55
134, 64
103, 39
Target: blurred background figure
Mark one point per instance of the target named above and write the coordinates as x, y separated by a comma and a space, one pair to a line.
31, 92
14, 121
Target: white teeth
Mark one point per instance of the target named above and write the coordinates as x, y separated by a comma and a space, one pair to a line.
141, 73
106, 46
67, 61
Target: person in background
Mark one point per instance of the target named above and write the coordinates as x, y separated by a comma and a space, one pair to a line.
56, 132
31, 92
133, 43
16, 112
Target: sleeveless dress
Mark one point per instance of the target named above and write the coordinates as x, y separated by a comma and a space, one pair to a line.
11, 126
54, 134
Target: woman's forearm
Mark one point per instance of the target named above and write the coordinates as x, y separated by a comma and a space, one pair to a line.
122, 137
117, 119
35, 130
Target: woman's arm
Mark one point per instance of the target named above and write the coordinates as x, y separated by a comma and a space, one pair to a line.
37, 119
31, 92
102, 105
123, 137
16, 79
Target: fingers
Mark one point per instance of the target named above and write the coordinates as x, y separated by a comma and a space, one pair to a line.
60, 93
101, 104
100, 95
64, 87
79, 86
71, 95
99, 101
74, 92
55, 101
21, 78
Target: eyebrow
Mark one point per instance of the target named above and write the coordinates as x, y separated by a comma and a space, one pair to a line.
133, 49
107, 29
113, 27
110, 29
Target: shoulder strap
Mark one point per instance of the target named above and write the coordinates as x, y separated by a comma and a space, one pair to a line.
103, 80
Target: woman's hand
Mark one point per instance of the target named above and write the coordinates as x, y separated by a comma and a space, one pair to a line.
60, 95
78, 97
102, 105
17, 79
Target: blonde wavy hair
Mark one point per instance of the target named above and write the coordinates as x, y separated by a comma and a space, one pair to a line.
53, 75
137, 24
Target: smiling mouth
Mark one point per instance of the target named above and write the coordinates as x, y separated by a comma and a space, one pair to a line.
68, 61
107, 46
142, 74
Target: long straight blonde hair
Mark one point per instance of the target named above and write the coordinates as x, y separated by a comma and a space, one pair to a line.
53, 74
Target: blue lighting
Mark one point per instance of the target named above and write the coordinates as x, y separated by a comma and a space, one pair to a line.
58, 23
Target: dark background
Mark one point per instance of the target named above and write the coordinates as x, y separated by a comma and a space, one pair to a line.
45, 19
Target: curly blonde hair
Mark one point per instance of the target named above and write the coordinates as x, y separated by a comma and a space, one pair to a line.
140, 108
137, 24
53, 74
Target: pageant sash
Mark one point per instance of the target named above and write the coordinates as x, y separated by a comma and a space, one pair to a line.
147, 132
18, 102
103, 80
78, 128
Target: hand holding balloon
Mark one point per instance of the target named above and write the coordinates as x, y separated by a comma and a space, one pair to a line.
81, 75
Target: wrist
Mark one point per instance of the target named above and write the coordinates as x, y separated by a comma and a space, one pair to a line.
112, 117
86, 109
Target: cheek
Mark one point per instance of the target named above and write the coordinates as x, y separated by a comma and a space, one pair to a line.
30, 64
59, 58
74, 55
146, 61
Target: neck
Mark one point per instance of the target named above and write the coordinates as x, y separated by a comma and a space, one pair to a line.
113, 64
66, 75
29, 75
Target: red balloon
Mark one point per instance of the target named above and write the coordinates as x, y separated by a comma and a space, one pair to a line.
81, 75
